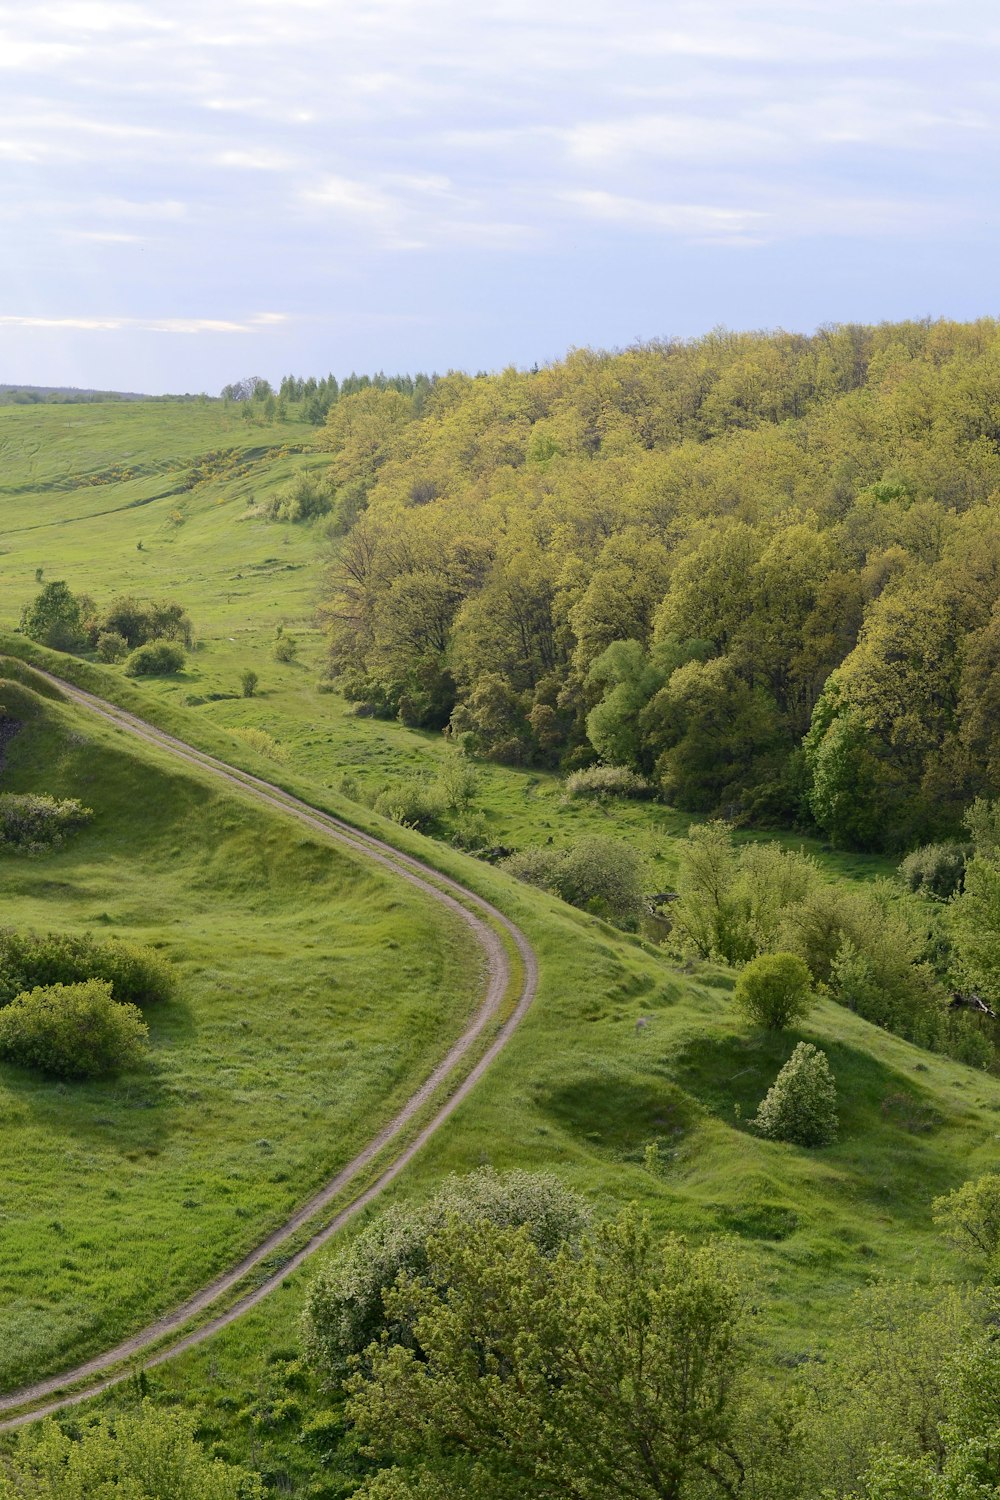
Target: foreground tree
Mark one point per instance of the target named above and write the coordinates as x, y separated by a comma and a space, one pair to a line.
141, 1455
613, 1372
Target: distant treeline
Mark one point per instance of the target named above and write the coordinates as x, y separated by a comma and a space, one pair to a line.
315, 396
762, 569
60, 395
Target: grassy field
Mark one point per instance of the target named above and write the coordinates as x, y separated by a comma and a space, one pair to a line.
314, 993
632, 1078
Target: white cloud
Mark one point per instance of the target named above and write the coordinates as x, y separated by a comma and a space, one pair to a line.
87, 324
686, 219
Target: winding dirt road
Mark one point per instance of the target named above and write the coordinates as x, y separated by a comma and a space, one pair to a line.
483, 919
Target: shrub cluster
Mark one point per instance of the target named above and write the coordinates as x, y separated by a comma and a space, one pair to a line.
304, 500
801, 1104
936, 869
137, 622
608, 781
157, 659
599, 875
345, 1310
72, 1031
31, 822
28, 959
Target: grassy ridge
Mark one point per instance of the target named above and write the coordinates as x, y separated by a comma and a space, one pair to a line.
632, 1078
314, 992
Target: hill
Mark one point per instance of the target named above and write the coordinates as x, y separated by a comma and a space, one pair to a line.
633, 1076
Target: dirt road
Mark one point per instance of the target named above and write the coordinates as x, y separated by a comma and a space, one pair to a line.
483, 920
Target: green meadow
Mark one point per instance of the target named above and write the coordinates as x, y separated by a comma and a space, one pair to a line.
314, 990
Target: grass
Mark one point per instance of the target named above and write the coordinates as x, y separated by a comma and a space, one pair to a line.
314, 992
632, 1078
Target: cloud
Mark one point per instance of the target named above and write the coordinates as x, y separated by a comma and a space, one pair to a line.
686, 219
88, 324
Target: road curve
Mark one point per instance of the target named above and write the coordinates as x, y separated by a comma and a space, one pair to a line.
482, 918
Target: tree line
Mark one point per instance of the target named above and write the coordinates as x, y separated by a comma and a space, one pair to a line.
762, 570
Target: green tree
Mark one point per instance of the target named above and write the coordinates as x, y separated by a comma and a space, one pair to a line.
801, 1105
248, 682
53, 618
136, 1455
346, 1309
613, 1372
774, 990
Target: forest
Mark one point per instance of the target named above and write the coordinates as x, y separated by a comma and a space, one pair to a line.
762, 570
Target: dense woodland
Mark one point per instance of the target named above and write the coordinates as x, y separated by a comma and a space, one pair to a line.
762, 569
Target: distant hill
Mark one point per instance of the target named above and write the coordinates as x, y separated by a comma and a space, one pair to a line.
60, 395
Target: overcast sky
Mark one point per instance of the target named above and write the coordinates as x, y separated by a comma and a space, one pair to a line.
193, 191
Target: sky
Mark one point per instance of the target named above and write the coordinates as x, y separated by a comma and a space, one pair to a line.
192, 192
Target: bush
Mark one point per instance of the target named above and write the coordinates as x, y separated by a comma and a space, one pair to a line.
53, 618
774, 990
970, 1216
143, 1454
136, 974
608, 781
111, 646
158, 659
72, 1031
137, 623
414, 804
31, 822
263, 743
936, 869
801, 1104
248, 682
599, 875
285, 648
344, 1310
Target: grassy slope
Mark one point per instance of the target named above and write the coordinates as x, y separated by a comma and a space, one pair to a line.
314, 992
584, 1087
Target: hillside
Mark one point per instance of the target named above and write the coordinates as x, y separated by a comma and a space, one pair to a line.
633, 1076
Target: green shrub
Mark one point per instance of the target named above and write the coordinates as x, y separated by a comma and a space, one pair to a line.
264, 743
608, 781
774, 990
285, 648
143, 1454
801, 1104
72, 1031
158, 659
414, 804
344, 1310
248, 682
970, 1216
136, 974
935, 869
306, 498
111, 646
599, 875
139, 623
53, 618
31, 822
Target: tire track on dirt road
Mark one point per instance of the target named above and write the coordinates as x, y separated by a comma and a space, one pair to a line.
145, 1349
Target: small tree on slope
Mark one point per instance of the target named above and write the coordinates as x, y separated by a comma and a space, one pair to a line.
801, 1104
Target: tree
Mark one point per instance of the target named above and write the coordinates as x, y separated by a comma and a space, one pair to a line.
138, 1455
613, 1372
970, 1216
248, 682
346, 1310
53, 618
801, 1105
774, 990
